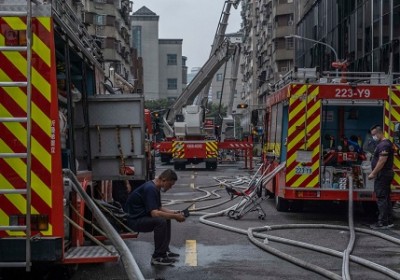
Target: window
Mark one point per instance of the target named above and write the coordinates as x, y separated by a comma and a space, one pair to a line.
290, 43
172, 59
137, 39
218, 95
219, 77
172, 84
100, 19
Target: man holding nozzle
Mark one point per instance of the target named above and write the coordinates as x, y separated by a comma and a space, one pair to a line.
146, 214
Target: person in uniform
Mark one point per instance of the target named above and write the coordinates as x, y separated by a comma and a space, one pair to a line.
382, 173
146, 214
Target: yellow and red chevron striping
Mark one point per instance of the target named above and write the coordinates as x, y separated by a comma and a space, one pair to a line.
291, 164
39, 170
211, 149
392, 116
178, 150
46, 177
303, 135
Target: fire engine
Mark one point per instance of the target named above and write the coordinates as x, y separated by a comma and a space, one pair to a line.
317, 126
55, 114
189, 136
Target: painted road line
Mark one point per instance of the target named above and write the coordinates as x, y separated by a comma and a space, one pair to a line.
191, 253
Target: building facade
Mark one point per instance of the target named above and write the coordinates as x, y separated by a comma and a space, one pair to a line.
221, 86
144, 26
170, 68
163, 66
366, 33
108, 22
267, 53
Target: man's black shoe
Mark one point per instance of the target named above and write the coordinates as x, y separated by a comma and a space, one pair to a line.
172, 255
162, 261
379, 225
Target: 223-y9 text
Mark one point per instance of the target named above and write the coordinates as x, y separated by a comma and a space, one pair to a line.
303, 170
350, 93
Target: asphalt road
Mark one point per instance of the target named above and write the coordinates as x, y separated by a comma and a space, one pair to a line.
211, 253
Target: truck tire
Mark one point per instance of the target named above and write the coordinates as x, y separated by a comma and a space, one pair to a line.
179, 166
281, 204
297, 206
211, 165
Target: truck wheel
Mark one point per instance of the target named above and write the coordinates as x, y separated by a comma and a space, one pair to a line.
297, 206
211, 165
179, 166
281, 204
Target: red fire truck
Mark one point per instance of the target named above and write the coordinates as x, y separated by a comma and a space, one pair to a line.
189, 136
55, 114
318, 126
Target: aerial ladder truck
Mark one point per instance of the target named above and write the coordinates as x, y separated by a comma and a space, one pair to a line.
185, 128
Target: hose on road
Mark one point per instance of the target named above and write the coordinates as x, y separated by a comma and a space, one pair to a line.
254, 233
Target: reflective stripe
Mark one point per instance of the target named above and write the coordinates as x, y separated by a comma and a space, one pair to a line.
303, 134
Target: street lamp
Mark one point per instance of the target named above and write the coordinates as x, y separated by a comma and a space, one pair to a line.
318, 42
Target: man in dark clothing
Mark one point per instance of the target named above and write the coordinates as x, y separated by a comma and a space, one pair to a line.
382, 172
146, 214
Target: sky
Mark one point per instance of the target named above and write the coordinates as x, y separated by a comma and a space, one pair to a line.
194, 21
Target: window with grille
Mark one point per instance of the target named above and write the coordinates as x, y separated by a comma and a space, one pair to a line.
289, 43
100, 19
172, 59
219, 77
172, 84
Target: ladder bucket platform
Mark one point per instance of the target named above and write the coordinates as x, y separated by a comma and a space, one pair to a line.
90, 254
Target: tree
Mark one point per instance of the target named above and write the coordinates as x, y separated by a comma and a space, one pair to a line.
213, 112
158, 105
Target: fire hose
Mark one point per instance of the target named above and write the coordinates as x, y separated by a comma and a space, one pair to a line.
252, 233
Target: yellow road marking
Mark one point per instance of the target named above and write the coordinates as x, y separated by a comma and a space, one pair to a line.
191, 253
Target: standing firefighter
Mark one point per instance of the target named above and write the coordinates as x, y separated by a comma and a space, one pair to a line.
382, 172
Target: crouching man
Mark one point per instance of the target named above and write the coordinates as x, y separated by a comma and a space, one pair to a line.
146, 214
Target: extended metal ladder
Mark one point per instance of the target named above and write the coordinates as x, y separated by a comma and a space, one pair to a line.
27, 120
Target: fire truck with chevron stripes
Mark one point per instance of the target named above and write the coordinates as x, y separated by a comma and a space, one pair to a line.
317, 131
60, 116
189, 136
